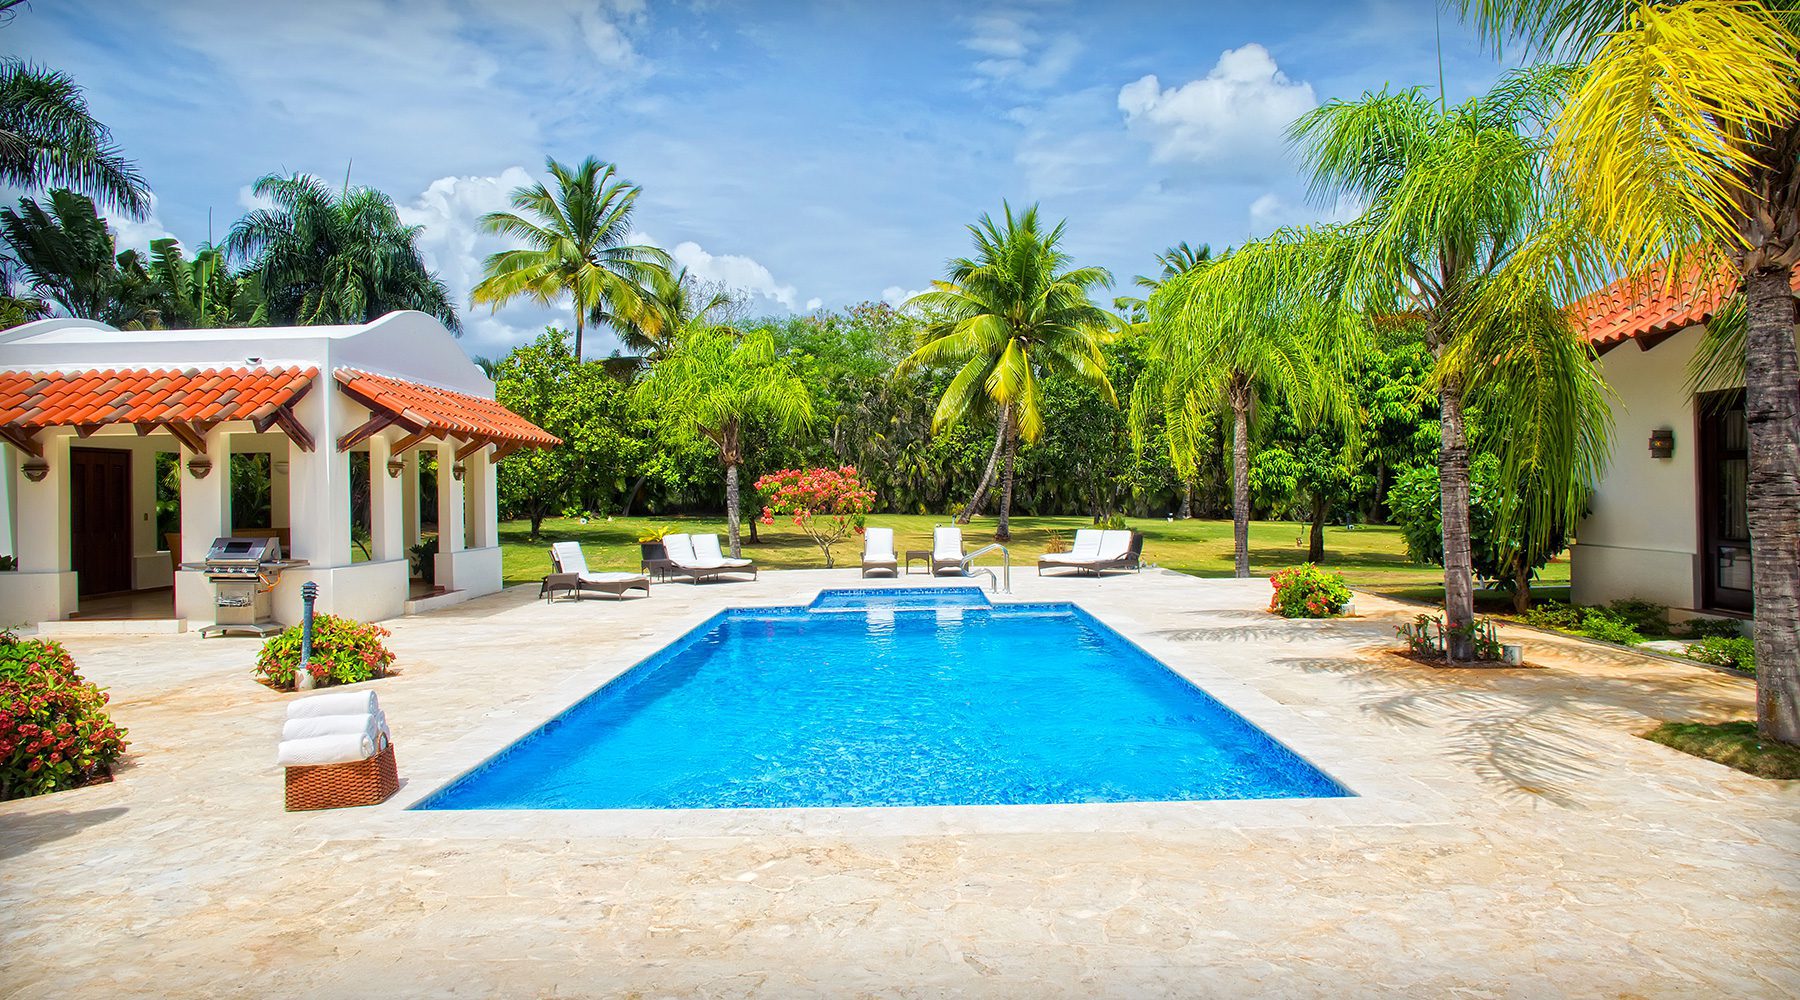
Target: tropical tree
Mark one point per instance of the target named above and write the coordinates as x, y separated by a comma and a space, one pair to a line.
201, 292
67, 255
1681, 139
324, 256
1176, 260
48, 139
669, 301
1006, 319
1257, 322
1461, 236
718, 380
575, 246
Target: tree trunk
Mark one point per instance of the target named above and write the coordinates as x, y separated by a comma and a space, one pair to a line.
1315, 551
1521, 585
987, 477
731, 508
631, 497
579, 324
1453, 482
1187, 500
537, 521
1003, 529
1240, 478
1772, 410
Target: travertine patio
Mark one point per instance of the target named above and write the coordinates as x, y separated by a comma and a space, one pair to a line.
1512, 837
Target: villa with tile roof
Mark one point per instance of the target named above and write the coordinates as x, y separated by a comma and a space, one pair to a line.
1668, 522
340, 422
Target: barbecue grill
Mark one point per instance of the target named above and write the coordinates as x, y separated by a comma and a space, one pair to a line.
243, 571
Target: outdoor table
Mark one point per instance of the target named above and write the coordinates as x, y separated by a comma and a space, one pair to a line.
923, 555
567, 583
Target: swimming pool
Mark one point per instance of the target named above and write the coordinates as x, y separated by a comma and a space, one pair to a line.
890, 697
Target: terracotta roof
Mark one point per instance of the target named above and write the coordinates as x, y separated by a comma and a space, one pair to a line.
428, 409
33, 400
1649, 307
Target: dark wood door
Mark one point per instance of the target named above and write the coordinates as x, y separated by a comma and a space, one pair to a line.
1724, 501
100, 523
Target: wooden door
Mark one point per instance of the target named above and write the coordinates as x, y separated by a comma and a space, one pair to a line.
100, 521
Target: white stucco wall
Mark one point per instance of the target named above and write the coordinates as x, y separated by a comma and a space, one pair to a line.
1642, 538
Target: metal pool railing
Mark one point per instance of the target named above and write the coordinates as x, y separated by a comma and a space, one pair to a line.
994, 582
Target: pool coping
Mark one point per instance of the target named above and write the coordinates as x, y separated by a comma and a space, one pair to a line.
1380, 796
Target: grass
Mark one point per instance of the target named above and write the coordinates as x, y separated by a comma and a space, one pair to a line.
1371, 558
1734, 744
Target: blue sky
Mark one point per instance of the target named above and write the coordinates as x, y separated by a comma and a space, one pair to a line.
810, 153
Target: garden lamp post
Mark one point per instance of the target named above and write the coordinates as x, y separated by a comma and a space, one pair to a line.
303, 678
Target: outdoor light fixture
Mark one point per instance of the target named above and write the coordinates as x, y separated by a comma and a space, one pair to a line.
456, 472
199, 466
1662, 443
280, 467
395, 467
35, 469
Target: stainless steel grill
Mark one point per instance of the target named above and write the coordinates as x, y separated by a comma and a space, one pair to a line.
243, 571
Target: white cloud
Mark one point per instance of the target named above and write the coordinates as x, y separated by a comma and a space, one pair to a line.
813, 304
1230, 122
1271, 211
1017, 52
734, 271
896, 296
136, 234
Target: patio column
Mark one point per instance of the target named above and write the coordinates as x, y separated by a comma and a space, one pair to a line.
450, 514
205, 515
45, 525
409, 499
9, 499
386, 520
145, 543
484, 496
319, 504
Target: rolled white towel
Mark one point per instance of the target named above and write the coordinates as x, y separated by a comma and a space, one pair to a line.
331, 725
335, 703
339, 748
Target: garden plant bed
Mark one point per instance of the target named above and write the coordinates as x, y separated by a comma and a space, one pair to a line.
1440, 663
1734, 744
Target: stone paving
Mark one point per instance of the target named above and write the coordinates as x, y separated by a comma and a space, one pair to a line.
1512, 837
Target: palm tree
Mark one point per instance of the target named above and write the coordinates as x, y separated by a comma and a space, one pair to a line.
201, 292
1007, 318
720, 379
1461, 237
575, 245
67, 255
48, 139
1176, 260
1258, 322
1681, 139
669, 302
324, 256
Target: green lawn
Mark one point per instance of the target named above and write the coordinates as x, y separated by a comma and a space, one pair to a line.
1371, 558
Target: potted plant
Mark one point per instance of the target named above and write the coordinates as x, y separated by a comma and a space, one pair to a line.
650, 544
424, 560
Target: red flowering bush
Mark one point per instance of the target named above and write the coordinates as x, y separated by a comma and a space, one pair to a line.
343, 652
827, 504
1307, 592
54, 730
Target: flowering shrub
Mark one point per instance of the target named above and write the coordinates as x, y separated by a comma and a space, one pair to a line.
343, 652
54, 730
1307, 592
827, 504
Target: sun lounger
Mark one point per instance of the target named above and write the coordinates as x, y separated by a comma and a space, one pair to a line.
946, 551
699, 558
878, 551
1097, 551
568, 559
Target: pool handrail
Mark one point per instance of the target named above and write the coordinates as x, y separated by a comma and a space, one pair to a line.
1005, 565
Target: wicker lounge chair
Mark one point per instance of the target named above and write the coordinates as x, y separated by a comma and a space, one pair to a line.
878, 551
699, 558
1098, 552
568, 558
946, 552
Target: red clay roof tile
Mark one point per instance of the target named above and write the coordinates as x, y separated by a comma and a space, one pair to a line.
444, 410
1648, 306
30, 400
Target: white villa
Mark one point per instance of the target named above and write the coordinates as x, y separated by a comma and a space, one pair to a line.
386, 425
1668, 521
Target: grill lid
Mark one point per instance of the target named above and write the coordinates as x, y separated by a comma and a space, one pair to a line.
228, 551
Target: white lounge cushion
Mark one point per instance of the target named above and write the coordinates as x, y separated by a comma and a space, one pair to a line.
611, 577
946, 543
1113, 545
680, 549
1085, 550
568, 557
710, 555
878, 545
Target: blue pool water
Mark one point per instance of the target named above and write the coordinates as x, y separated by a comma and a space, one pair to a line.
898, 697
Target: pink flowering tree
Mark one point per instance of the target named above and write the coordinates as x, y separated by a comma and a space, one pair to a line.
828, 504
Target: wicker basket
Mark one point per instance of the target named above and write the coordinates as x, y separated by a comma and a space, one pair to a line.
341, 786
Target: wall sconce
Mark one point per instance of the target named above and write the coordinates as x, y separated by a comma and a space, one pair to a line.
199, 467
456, 472
1662, 443
35, 469
395, 467
280, 467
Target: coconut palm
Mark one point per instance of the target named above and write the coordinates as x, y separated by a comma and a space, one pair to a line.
1006, 319
1681, 139
325, 256
1259, 322
49, 139
1461, 237
67, 255
1178, 259
719, 380
201, 292
575, 245
669, 302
